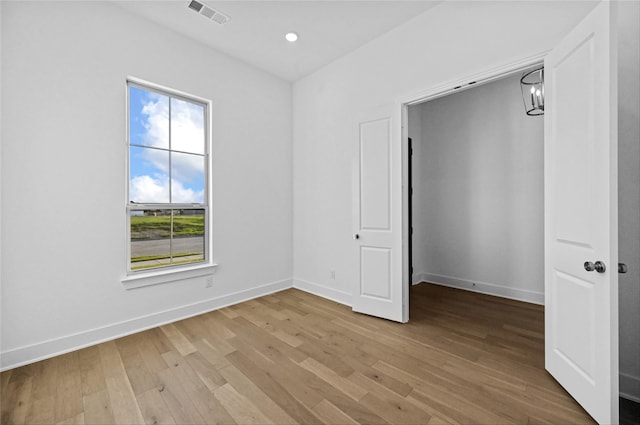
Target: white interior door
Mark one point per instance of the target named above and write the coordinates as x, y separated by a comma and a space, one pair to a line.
378, 216
581, 211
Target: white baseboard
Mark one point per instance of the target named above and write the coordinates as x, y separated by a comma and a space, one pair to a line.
54, 347
482, 287
630, 387
323, 291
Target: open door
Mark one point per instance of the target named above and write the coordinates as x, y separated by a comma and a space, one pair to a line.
581, 212
378, 198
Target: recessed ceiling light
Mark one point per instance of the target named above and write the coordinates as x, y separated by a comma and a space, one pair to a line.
291, 37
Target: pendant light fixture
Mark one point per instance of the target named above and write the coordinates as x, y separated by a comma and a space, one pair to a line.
532, 86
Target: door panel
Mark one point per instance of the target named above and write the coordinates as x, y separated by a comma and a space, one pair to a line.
581, 311
375, 273
378, 216
572, 290
573, 146
375, 181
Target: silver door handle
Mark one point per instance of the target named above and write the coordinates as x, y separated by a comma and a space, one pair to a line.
597, 266
622, 268
356, 236
600, 267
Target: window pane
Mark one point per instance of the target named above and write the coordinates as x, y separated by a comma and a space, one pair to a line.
188, 236
148, 118
150, 238
187, 126
148, 175
187, 178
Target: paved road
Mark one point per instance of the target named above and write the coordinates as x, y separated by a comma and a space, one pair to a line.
161, 246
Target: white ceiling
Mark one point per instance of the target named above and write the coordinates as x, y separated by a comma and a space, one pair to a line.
255, 32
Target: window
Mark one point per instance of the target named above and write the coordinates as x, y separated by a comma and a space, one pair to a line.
168, 169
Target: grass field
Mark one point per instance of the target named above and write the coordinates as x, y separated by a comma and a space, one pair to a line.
160, 227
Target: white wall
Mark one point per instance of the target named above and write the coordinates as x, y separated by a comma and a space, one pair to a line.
629, 195
62, 92
478, 193
453, 40
64, 66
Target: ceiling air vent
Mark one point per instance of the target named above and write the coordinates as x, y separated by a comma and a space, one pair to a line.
195, 5
208, 12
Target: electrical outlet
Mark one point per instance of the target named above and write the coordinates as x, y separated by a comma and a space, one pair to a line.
208, 283
332, 274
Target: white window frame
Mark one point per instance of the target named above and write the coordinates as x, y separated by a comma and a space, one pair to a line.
169, 273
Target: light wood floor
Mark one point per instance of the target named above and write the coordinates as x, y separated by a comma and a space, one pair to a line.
292, 358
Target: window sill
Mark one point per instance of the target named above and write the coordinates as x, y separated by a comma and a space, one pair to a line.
133, 281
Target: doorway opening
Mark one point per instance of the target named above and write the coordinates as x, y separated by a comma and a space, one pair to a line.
476, 189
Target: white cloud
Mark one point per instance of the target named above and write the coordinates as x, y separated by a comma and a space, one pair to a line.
157, 123
187, 126
146, 189
186, 195
187, 134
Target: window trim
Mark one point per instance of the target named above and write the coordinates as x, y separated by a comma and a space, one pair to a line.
170, 273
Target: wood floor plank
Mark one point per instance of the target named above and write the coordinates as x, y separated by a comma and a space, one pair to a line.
175, 398
41, 411
330, 414
209, 375
4, 380
153, 408
291, 357
177, 339
228, 312
259, 398
97, 408
68, 388
46, 380
160, 340
440, 413
15, 404
252, 334
268, 385
91, 373
343, 384
207, 406
395, 410
140, 378
123, 402
212, 353
381, 378
297, 380
287, 338
215, 322
239, 407
465, 397
150, 354
74, 420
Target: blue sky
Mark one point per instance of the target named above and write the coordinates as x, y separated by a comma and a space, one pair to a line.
150, 167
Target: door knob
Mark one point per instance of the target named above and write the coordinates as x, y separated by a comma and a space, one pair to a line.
600, 267
622, 268
597, 266
356, 236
